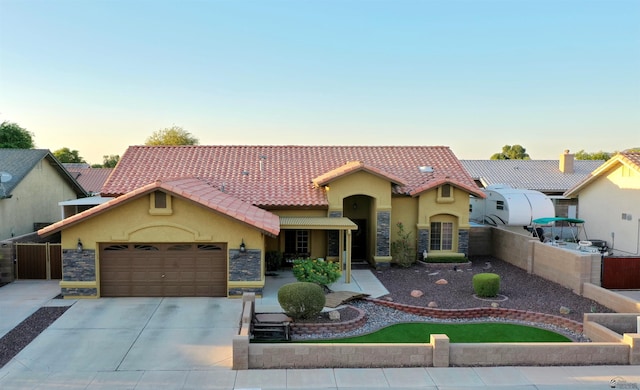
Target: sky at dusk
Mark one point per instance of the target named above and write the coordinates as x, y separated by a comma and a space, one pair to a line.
97, 76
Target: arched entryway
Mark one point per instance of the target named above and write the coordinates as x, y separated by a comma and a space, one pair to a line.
359, 209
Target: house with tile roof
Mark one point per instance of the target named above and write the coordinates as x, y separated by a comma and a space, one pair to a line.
610, 203
551, 177
32, 183
91, 179
200, 220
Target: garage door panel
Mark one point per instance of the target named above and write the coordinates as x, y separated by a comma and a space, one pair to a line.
163, 270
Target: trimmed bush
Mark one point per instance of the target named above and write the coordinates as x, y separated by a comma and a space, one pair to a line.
486, 285
301, 300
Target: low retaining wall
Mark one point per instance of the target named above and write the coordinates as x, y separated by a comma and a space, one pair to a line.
538, 354
610, 299
437, 353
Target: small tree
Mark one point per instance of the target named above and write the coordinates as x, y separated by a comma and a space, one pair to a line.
110, 161
13, 136
402, 248
174, 135
515, 152
66, 155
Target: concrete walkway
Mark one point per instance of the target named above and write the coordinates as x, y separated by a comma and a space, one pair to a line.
185, 343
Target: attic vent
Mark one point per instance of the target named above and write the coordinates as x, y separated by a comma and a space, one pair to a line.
425, 169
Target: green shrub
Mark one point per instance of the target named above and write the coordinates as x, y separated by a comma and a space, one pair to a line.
486, 284
301, 300
273, 260
316, 271
402, 249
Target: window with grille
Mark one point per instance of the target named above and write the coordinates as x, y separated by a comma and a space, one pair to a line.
297, 241
441, 236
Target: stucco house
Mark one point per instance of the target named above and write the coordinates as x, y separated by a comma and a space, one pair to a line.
551, 177
32, 183
199, 220
610, 203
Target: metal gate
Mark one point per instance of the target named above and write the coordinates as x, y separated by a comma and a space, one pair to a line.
621, 272
38, 261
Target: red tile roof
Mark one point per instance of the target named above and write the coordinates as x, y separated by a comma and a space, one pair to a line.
91, 179
282, 176
192, 189
355, 166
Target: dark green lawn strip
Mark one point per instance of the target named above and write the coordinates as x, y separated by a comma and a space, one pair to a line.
458, 333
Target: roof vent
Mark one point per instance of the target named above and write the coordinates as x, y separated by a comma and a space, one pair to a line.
425, 169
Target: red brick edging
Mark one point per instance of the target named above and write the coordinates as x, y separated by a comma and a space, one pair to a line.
302, 328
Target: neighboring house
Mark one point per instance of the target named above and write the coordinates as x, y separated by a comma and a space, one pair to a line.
551, 177
610, 203
199, 220
33, 181
92, 180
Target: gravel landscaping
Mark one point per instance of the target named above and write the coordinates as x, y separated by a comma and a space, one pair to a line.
417, 286
20, 336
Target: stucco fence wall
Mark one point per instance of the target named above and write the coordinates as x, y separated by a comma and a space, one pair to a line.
439, 352
568, 268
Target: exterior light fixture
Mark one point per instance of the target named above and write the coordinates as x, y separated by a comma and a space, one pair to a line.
243, 247
80, 247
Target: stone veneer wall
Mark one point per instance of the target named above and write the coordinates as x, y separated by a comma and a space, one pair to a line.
423, 243
383, 233
333, 237
79, 267
245, 267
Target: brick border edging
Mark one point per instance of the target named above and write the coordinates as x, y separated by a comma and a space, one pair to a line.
483, 312
304, 328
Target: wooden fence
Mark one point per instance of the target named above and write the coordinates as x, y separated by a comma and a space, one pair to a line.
621, 272
38, 261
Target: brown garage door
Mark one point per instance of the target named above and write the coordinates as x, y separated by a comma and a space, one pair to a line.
163, 270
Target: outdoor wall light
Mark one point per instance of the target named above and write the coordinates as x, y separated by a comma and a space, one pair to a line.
80, 247
243, 247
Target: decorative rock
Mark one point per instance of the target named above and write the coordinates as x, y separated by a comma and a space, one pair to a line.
495, 304
564, 310
416, 293
432, 304
334, 315
442, 281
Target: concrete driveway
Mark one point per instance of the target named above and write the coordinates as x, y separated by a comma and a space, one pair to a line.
20, 299
134, 334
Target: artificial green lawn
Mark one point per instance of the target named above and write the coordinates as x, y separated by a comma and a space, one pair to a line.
458, 333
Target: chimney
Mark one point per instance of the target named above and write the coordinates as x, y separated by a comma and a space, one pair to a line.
566, 162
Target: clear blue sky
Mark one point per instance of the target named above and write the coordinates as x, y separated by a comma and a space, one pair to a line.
97, 76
